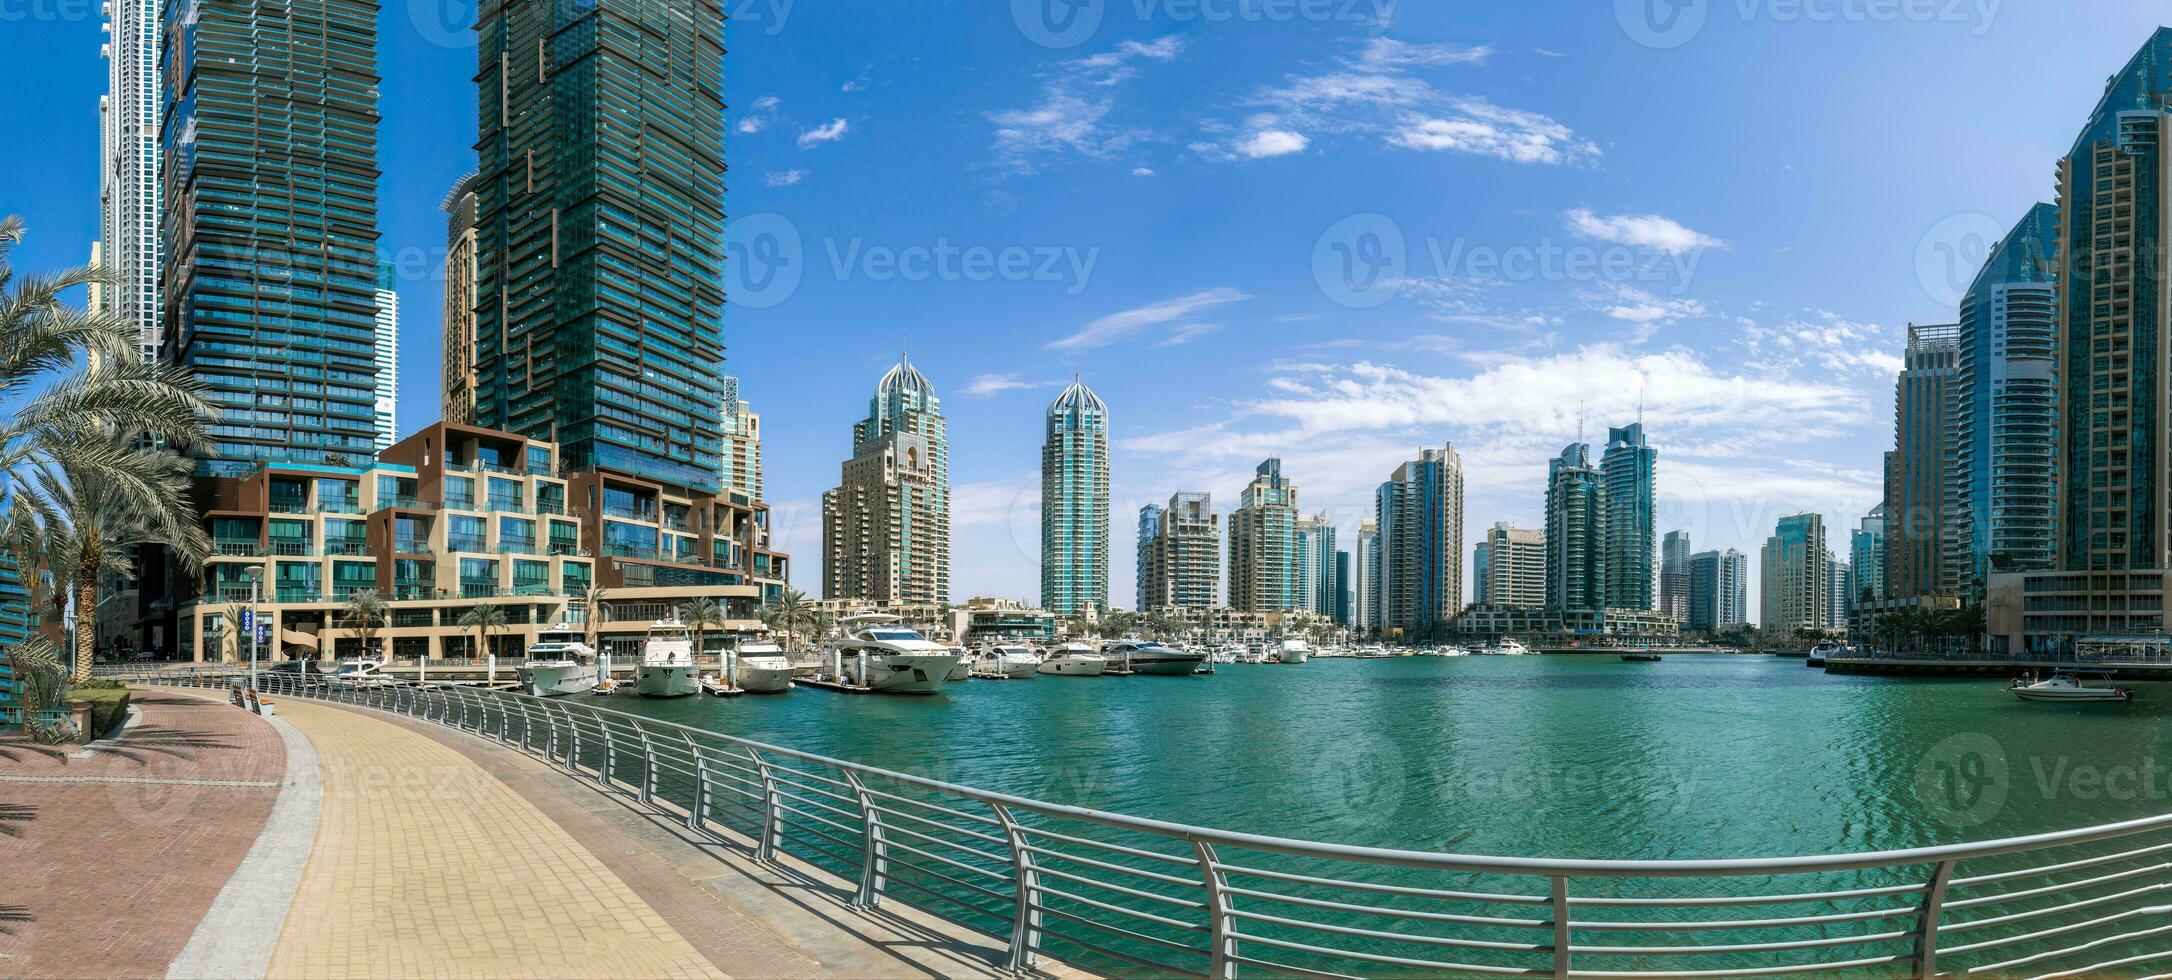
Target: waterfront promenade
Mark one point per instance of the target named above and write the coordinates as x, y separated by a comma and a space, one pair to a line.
331, 841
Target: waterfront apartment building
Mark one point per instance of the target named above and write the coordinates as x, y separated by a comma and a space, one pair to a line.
1149, 526
886, 527
1840, 584
1795, 586
1718, 590
1674, 575
740, 459
1866, 555
1419, 513
268, 157
1629, 467
600, 234
1515, 572
1920, 465
1180, 553
1316, 565
1075, 502
1263, 544
1575, 532
386, 355
128, 161
459, 315
2003, 492
1365, 578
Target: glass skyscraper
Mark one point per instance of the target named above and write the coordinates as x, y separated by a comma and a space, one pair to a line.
269, 235
1419, 516
886, 528
1575, 532
2004, 489
1263, 543
1629, 466
1075, 503
128, 202
600, 232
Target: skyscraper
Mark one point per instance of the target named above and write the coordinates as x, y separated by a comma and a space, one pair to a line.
2006, 427
1718, 590
269, 224
1365, 578
1263, 543
1866, 554
1316, 565
386, 351
1515, 566
1180, 553
1840, 581
459, 317
600, 234
740, 461
128, 202
886, 528
1575, 532
1075, 502
1481, 564
1419, 511
1629, 466
1921, 464
1796, 585
1674, 575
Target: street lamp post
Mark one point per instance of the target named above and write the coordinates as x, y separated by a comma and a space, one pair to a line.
255, 575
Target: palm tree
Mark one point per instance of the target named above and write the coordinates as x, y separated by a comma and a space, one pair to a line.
367, 611
787, 613
593, 613
818, 623
485, 618
699, 614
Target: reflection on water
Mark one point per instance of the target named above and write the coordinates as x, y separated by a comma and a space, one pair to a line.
1692, 757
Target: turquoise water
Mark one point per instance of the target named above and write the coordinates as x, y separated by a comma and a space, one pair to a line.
1560, 756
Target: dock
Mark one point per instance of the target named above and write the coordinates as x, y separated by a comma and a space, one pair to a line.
830, 685
1991, 667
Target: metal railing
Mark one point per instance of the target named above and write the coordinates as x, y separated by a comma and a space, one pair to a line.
1128, 895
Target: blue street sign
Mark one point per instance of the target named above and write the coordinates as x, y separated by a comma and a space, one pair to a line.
248, 620
263, 632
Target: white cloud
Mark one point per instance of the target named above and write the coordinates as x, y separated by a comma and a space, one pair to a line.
753, 124
1628, 303
1549, 54
765, 103
1185, 333
1651, 231
830, 133
784, 178
1273, 143
1473, 125
1071, 117
1142, 172
764, 112
985, 385
1386, 52
1118, 326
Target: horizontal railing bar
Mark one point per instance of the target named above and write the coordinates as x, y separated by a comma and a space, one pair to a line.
1106, 846
1321, 903
1120, 910
1755, 971
1090, 862
2028, 914
2053, 888
1724, 901
1120, 889
976, 835
2105, 967
1298, 971
890, 828
2102, 920
2071, 950
839, 797
960, 882
1169, 944
939, 808
1779, 946
960, 865
853, 815
1370, 957
1435, 893
787, 832
952, 899
2055, 868
810, 774
846, 828
1163, 969
1394, 936
1710, 925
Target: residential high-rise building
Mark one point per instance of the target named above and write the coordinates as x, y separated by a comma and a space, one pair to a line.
1180, 553
268, 162
1263, 543
1316, 565
1629, 467
1866, 554
386, 351
459, 348
1920, 465
1840, 583
1575, 532
886, 528
1515, 571
1419, 512
1796, 586
2115, 254
600, 235
2006, 408
1075, 503
1718, 590
740, 461
1481, 563
1365, 578
1674, 575
1342, 588
128, 188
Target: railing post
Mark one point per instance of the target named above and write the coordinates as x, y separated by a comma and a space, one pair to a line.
1219, 906
1934, 901
1026, 879
874, 846
696, 810
766, 851
603, 772
648, 765
573, 740
1560, 908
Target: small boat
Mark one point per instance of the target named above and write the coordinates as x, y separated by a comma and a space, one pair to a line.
667, 662
1014, 661
2066, 684
878, 654
1821, 651
1075, 660
1151, 658
1644, 656
1509, 648
361, 673
558, 664
762, 668
1291, 651
964, 668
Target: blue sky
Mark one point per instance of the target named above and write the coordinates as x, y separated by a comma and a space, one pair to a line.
1198, 206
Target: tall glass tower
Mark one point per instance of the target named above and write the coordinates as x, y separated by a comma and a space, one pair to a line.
1075, 503
1418, 514
2006, 409
1263, 543
600, 232
1576, 538
886, 528
1629, 465
128, 168
269, 234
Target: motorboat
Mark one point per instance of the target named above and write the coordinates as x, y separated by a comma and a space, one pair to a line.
1640, 656
1819, 653
1075, 660
1150, 658
1229, 654
964, 668
558, 664
760, 668
361, 673
667, 662
1507, 648
1011, 661
2067, 684
878, 653
1291, 651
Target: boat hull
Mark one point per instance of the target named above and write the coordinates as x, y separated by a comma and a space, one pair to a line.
666, 681
1165, 666
910, 674
557, 680
765, 680
1074, 666
2082, 695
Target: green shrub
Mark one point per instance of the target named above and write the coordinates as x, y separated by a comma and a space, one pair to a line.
109, 704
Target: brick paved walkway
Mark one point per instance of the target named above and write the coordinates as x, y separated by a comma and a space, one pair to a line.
108, 861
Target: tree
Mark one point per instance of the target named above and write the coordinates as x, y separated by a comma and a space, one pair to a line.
787, 613
367, 611
593, 614
700, 614
485, 618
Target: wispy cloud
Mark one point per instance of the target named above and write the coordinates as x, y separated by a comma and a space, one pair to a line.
831, 132
1118, 326
1653, 231
784, 178
1185, 333
985, 385
761, 113
1273, 143
1072, 114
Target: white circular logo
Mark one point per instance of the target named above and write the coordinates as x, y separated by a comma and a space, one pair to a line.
1057, 23
445, 23
1661, 24
1359, 261
1963, 780
763, 260
1949, 255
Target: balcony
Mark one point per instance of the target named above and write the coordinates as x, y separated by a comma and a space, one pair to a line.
236, 549
346, 548
516, 547
629, 514
297, 594
464, 542
629, 551
293, 549
412, 546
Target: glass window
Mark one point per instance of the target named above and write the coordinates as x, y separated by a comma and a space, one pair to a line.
464, 532
339, 496
459, 492
629, 540
478, 577
516, 534
531, 576
576, 577
506, 494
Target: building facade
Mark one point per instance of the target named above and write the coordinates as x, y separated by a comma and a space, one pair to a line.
1316, 565
1075, 502
268, 228
128, 182
1630, 468
459, 316
1263, 544
386, 355
1674, 575
1918, 469
1866, 555
1840, 584
1575, 532
1795, 587
740, 459
886, 528
1419, 513
1180, 553
1365, 578
1515, 571
600, 233
1149, 527
1719, 597
2006, 407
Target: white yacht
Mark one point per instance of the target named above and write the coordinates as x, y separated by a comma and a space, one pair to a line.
964, 668
558, 664
361, 673
1147, 657
1075, 660
1506, 648
1229, 654
1291, 651
761, 668
1014, 661
2066, 684
879, 654
667, 662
